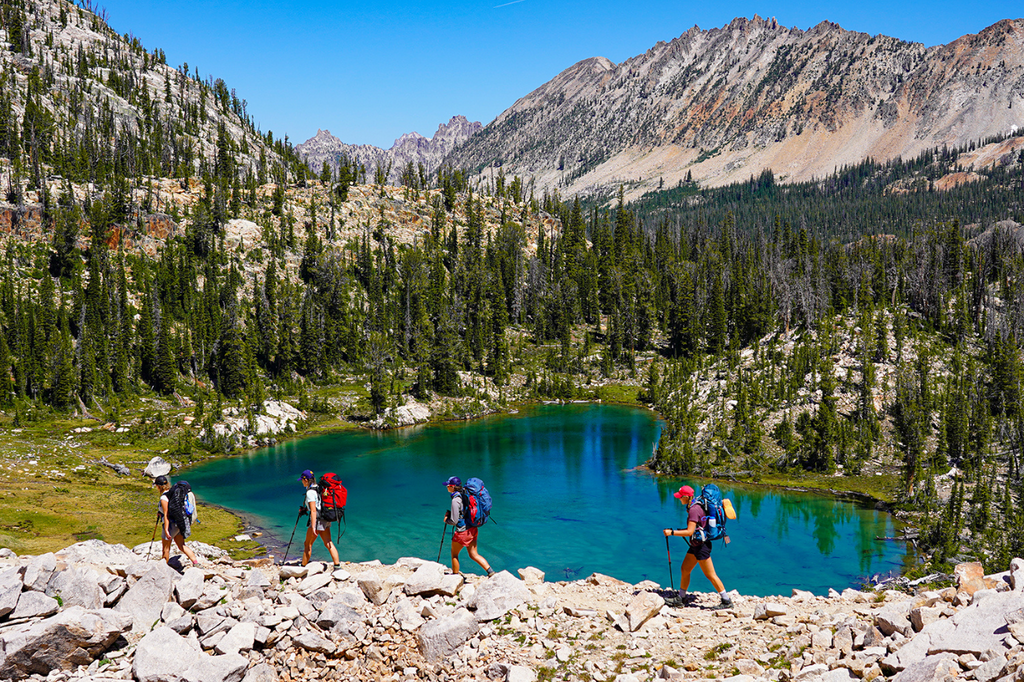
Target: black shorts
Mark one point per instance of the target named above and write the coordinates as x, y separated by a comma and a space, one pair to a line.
701, 550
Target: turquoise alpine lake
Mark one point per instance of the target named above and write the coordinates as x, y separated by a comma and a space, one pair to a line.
570, 497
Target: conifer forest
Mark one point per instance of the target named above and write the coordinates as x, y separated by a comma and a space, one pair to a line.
862, 332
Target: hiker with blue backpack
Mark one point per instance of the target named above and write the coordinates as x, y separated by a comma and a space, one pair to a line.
702, 526
470, 507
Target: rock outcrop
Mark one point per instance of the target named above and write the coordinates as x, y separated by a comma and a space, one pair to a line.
252, 621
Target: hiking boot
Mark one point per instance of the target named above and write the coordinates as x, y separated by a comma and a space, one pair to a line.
490, 572
685, 600
725, 604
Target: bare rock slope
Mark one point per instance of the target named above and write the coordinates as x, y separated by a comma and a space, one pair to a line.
98, 612
725, 104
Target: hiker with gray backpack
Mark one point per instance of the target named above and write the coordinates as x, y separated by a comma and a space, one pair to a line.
705, 522
471, 505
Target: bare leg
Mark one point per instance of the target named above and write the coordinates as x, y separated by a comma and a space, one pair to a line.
475, 556
689, 561
456, 548
180, 541
166, 543
307, 548
709, 573
325, 535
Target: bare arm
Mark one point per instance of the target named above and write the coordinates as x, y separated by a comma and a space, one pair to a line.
690, 529
163, 510
312, 514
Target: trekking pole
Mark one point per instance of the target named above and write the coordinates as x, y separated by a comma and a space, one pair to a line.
444, 531
291, 538
152, 539
671, 579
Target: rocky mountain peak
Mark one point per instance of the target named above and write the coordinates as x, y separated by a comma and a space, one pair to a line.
724, 104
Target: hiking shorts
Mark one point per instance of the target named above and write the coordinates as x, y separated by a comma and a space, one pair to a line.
173, 531
321, 525
700, 551
465, 537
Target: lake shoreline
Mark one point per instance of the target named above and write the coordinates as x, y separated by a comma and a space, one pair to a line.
275, 547
627, 435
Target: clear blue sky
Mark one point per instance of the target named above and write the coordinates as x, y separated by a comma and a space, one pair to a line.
370, 71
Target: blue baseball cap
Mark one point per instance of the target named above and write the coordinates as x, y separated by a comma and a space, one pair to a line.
455, 481
307, 474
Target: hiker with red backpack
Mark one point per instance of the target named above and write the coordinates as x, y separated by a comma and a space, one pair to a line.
702, 526
470, 507
319, 524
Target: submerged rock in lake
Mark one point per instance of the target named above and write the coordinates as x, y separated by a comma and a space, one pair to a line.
254, 621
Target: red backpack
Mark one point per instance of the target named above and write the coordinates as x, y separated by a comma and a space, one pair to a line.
333, 497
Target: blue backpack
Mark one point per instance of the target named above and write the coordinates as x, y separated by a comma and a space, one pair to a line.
710, 500
476, 503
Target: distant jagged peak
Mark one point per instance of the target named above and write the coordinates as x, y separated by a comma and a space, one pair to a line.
409, 148
592, 65
406, 138
457, 130
322, 136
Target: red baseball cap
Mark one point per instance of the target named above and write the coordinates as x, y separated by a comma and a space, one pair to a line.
685, 491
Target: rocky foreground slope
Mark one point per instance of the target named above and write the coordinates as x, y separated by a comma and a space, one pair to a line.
103, 612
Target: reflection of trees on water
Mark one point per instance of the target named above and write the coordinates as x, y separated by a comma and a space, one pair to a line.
870, 527
824, 518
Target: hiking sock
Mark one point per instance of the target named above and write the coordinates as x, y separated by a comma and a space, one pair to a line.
725, 597
685, 598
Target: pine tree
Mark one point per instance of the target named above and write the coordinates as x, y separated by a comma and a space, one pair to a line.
232, 364
165, 367
717, 321
62, 393
6, 374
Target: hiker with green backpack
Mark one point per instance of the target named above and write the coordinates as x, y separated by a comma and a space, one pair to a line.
702, 526
319, 525
470, 507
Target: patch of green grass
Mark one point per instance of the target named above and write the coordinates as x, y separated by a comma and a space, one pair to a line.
95, 503
545, 674
884, 488
714, 652
617, 393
